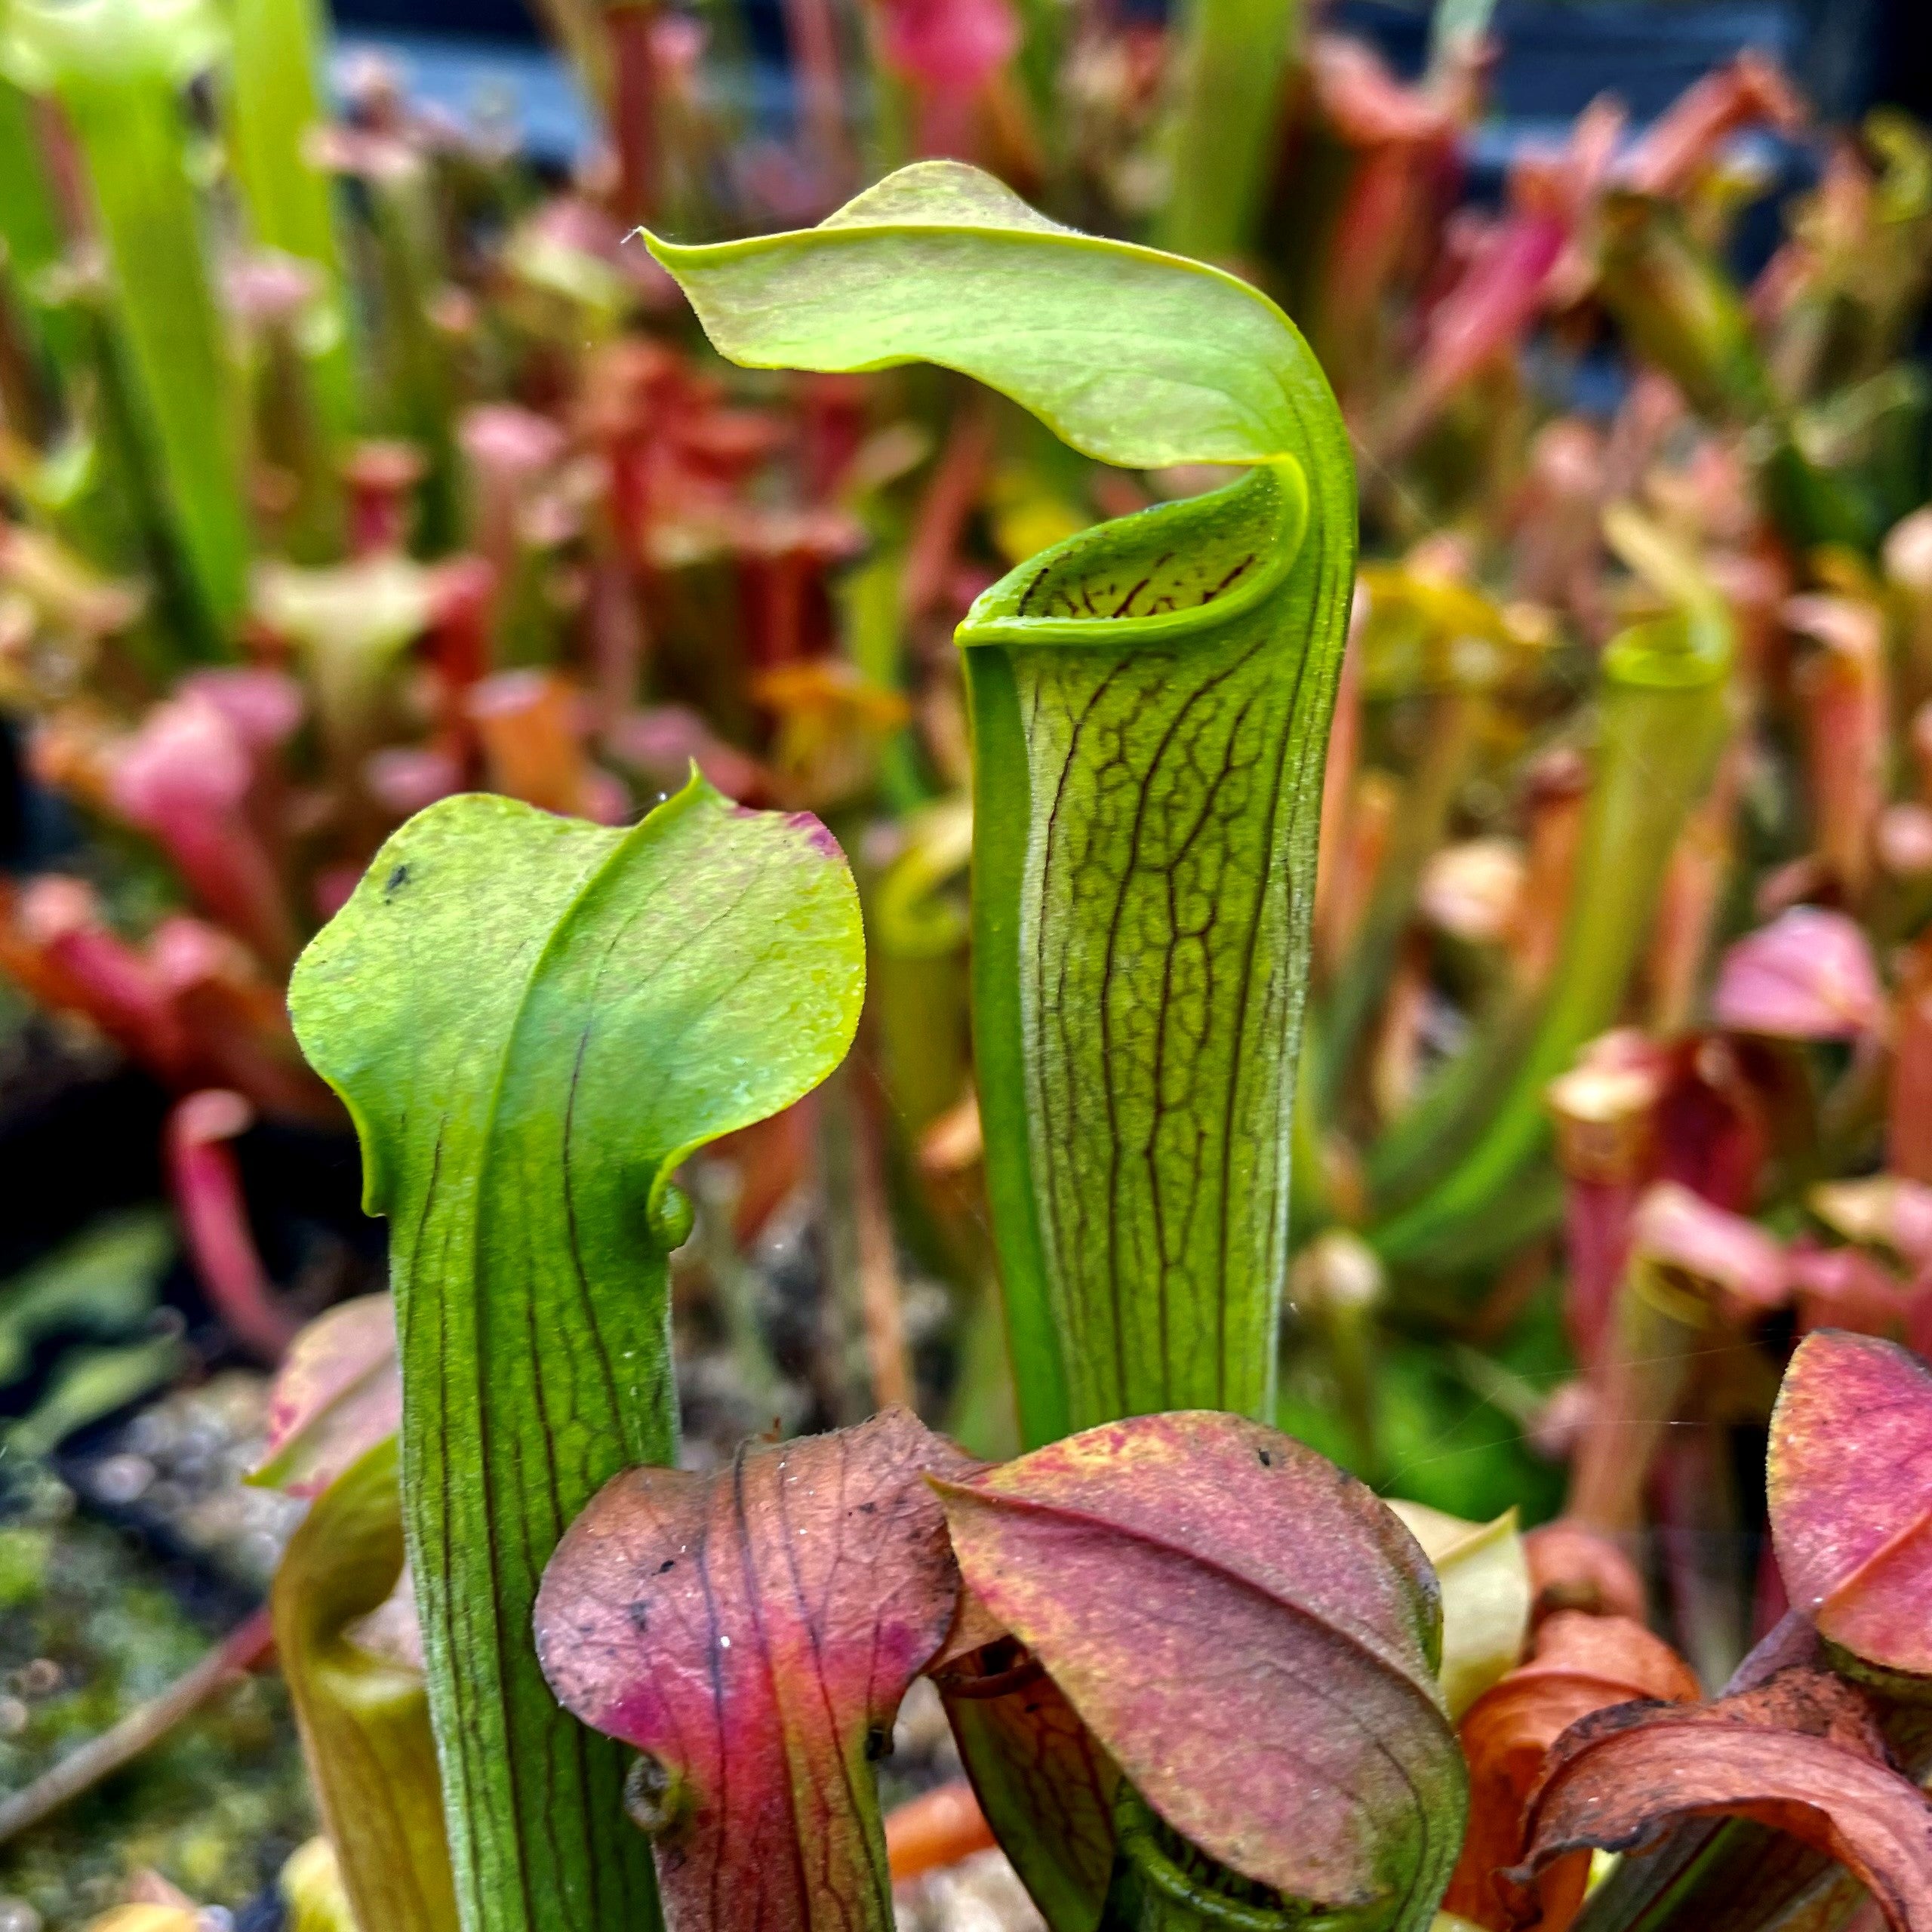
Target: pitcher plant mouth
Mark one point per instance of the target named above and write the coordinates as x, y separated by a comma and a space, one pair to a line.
1161, 1880
1164, 1884
1003, 1666
1150, 577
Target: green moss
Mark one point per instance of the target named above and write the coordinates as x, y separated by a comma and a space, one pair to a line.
89, 1629
24, 1560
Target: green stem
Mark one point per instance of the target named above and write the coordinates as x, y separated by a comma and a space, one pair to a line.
274, 107
31, 226
533, 1021
1309, 1180
1352, 1333
488, 1495
981, 1415
169, 332
1043, 25
410, 259
1425, 1142
1150, 706
1740, 1878
892, 109
1235, 61
1663, 722
872, 627
1680, 310
737, 1290
112, 515
1363, 978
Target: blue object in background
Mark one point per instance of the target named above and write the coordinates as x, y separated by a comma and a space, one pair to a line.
467, 19
1557, 59
516, 82
1558, 55
1845, 55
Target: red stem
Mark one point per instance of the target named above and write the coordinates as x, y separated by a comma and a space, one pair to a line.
812, 38
633, 109
940, 522
206, 1182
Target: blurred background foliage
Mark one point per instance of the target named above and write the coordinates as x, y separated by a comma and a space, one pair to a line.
350, 455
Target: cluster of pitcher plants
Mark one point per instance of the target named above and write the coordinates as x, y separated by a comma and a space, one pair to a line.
1196, 1672
1490, 977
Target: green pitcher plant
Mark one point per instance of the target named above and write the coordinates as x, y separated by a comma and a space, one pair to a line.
1150, 704
532, 1021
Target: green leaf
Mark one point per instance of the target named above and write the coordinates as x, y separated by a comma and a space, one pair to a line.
1131, 355
532, 1021
31, 227
364, 1716
106, 1282
1151, 703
